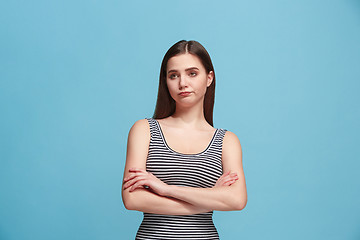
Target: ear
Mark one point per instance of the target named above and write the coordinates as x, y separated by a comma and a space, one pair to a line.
210, 78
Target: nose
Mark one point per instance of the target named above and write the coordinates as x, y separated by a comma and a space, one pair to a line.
183, 83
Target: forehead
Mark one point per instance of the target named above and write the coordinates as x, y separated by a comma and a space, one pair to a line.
184, 61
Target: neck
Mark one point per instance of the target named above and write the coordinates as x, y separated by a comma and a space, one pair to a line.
191, 117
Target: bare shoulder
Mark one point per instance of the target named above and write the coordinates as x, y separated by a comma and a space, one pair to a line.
230, 139
231, 147
140, 129
142, 124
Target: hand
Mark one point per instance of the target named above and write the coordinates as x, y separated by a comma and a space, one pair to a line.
139, 178
226, 179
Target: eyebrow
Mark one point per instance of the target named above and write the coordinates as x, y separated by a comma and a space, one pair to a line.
191, 68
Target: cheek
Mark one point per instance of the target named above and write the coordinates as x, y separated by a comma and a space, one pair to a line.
201, 85
171, 88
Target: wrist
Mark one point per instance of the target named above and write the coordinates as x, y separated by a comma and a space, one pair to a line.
169, 192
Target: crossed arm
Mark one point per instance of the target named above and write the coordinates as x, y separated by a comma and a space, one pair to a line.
229, 193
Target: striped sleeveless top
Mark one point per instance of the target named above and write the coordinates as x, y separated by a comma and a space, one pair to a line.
200, 170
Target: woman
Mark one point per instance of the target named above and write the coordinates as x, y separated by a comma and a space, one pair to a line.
179, 168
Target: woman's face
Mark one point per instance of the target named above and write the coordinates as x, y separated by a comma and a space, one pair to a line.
187, 79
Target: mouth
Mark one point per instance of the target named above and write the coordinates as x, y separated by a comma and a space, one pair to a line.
184, 93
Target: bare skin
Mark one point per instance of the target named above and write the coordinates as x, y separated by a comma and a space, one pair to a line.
186, 131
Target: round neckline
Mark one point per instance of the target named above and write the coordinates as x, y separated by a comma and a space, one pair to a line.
186, 154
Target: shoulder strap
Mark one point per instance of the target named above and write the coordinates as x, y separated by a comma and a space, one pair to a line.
154, 129
218, 141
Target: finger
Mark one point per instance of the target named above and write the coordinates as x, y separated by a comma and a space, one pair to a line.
230, 182
136, 170
138, 184
222, 178
133, 181
129, 177
227, 174
132, 175
226, 178
233, 176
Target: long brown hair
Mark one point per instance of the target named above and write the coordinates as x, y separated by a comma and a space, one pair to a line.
165, 104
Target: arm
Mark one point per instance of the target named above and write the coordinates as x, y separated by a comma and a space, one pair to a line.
143, 199
224, 198
146, 201
227, 198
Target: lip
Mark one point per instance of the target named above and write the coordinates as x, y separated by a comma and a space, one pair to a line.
184, 94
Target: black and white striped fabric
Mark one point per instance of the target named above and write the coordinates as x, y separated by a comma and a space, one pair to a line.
199, 170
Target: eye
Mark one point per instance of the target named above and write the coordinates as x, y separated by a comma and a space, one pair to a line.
193, 74
173, 76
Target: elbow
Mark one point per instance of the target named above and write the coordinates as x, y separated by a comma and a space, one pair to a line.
128, 201
128, 205
240, 204
134, 201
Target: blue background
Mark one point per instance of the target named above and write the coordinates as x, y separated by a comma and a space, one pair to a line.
75, 75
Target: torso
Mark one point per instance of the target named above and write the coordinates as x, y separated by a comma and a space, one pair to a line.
192, 158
